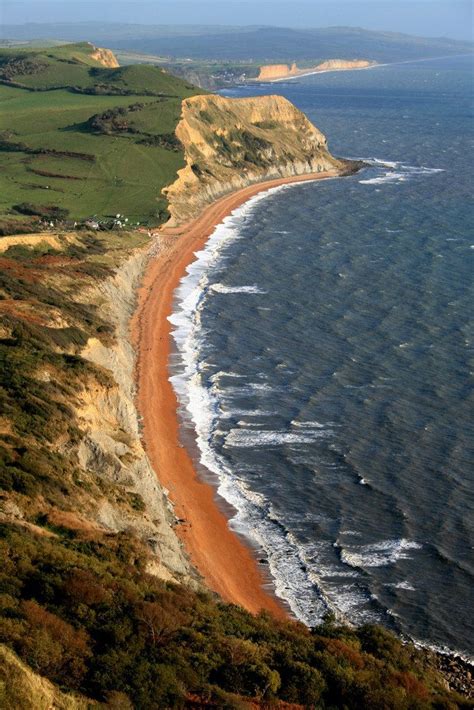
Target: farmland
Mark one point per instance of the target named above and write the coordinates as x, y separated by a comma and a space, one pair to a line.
54, 155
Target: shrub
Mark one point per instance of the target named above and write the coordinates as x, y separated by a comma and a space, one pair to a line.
158, 645
45, 211
53, 647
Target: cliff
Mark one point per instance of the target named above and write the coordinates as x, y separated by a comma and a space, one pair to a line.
232, 143
93, 479
111, 446
276, 71
343, 64
105, 57
272, 72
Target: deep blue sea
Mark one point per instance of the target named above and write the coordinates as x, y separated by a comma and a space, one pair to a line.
324, 358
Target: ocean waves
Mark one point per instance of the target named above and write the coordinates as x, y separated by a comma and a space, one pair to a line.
379, 554
396, 172
248, 438
207, 401
350, 417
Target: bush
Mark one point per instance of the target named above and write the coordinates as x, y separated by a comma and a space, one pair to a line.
157, 644
52, 646
45, 211
304, 685
168, 141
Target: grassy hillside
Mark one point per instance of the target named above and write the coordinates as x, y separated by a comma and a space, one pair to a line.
84, 138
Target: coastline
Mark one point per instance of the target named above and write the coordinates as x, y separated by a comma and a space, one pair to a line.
375, 65
311, 72
227, 565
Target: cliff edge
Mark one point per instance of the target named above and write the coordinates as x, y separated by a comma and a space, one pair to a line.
276, 71
233, 143
105, 57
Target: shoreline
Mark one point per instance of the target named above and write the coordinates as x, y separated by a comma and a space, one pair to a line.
226, 563
311, 72
376, 65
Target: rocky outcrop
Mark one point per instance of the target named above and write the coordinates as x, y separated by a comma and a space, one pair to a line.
272, 72
232, 143
105, 57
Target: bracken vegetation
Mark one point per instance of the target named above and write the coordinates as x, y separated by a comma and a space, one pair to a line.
82, 611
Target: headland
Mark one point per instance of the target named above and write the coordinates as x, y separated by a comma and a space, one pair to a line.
280, 72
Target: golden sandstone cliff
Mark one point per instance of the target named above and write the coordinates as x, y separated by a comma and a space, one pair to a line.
342, 64
105, 57
271, 72
232, 143
277, 71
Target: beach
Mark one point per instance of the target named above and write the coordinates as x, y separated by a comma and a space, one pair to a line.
227, 565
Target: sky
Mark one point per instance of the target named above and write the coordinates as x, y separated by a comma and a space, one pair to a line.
435, 18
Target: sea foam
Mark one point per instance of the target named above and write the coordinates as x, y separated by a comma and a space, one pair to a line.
397, 172
203, 405
301, 576
222, 288
378, 554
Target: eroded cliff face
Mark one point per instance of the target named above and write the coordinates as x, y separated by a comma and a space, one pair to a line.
343, 64
271, 72
232, 143
276, 71
102, 485
111, 447
105, 57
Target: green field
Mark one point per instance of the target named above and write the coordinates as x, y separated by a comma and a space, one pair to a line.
47, 98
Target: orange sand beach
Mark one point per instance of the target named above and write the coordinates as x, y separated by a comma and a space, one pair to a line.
227, 565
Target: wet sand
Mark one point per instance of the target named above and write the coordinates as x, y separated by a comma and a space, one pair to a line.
227, 565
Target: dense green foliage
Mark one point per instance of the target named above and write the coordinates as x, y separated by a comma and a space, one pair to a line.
92, 140
82, 611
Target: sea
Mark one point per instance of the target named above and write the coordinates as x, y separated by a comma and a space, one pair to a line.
323, 359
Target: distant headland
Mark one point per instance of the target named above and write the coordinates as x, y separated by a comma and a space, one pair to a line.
277, 72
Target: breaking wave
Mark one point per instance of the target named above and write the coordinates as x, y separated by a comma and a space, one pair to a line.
379, 554
387, 171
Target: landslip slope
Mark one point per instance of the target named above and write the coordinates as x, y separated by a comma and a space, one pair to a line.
71, 458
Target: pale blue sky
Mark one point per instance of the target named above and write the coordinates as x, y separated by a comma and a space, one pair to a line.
449, 18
